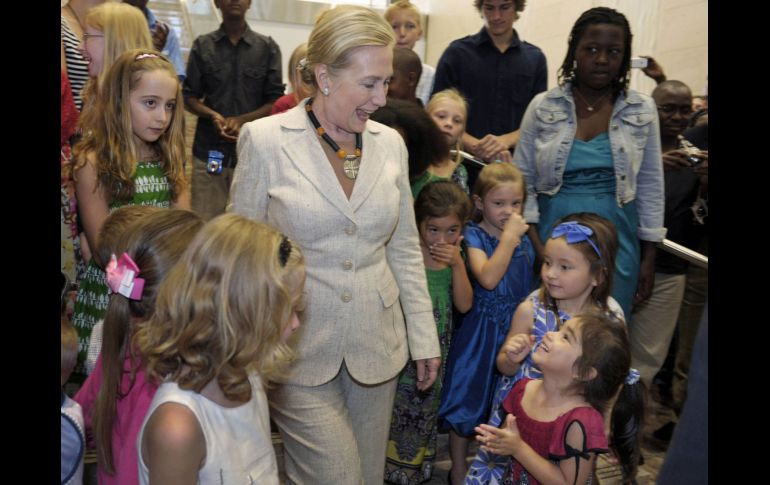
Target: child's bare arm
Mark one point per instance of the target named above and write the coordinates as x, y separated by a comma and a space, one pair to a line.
173, 446
489, 271
92, 202
512, 352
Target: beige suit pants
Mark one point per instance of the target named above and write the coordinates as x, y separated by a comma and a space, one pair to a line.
335, 433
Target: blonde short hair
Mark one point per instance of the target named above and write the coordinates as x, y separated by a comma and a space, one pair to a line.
124, 27
223, 308
403, 5
450, 94
338, 32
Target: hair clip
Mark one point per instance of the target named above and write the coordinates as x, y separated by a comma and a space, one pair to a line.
121, 277
633, 377
145, 56
284, 250
302, 64
575, 232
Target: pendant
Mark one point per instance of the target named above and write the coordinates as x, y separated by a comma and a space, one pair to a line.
589, 108
350, 166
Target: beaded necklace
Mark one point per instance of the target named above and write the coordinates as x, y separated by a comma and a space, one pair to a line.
351, 163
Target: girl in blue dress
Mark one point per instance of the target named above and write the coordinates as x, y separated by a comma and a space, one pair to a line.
500, 257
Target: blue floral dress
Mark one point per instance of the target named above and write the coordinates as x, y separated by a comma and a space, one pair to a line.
471, 375
488, 468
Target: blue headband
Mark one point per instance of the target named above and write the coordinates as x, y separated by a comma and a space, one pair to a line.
633, 377
574, 232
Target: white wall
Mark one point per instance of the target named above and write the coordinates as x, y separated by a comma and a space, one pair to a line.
674, 32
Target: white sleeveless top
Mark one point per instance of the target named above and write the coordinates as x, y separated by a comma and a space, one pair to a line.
238, 445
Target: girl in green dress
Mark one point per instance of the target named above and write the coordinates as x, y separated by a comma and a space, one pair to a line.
441, 211
449, 111
136, 156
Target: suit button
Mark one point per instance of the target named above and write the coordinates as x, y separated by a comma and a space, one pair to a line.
347, 265
350, 230
614, 127
346, 297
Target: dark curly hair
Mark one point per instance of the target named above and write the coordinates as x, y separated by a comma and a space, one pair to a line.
594, 16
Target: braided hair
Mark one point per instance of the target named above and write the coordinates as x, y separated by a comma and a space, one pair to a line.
594, 16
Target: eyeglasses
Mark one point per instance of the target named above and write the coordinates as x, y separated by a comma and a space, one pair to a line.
685, 110
87, 36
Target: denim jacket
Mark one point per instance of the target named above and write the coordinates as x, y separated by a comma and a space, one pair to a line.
545, 142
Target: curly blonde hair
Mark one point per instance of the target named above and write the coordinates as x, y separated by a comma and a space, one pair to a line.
221, 311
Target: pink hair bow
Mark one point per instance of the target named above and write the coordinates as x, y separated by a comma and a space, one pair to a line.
121, 277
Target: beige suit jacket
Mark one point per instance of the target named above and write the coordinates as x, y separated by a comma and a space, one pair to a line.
362, 254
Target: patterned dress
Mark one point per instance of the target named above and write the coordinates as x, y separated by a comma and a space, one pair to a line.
411, 450
488, 468
151, 187
72, 264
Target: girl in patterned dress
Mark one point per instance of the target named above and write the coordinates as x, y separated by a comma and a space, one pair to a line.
441, 210
577, 277
555, 427
134, 156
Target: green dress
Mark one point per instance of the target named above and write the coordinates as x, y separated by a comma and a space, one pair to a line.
411, 452
459, 176
151, 187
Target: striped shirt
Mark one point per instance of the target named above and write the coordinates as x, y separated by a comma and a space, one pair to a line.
77, 67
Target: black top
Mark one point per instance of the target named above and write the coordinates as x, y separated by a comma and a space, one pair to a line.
232, 80
497, 85
682, 188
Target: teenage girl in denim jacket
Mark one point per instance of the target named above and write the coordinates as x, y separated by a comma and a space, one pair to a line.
593, 145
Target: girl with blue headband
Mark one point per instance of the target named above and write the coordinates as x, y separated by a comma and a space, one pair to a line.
576, 275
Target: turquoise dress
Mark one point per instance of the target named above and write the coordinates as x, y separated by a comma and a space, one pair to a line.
588, 185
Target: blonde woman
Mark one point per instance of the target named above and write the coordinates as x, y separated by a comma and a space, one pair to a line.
111, 29
337, 183
300, 89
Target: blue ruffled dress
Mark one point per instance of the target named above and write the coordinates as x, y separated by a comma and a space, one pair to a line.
471, 374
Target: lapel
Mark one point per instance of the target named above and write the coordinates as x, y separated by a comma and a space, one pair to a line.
373, 157
304, 150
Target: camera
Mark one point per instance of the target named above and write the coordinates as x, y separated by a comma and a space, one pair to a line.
694, 160
639, 62
214, 165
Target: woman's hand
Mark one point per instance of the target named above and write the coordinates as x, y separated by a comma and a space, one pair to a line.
445, 253
427, 371
503, 441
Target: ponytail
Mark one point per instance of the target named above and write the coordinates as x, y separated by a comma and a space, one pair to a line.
625, 426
